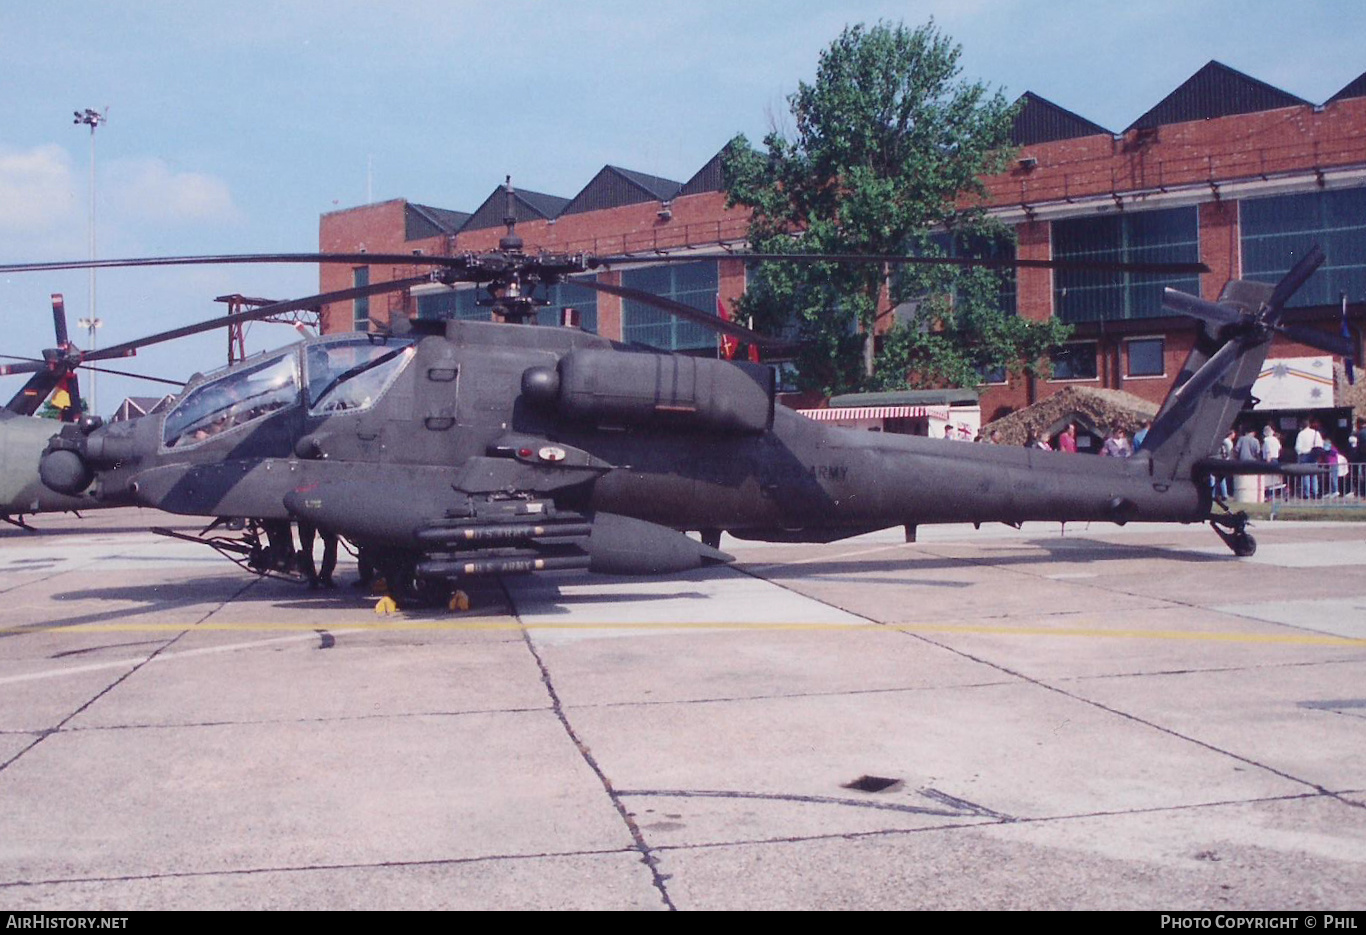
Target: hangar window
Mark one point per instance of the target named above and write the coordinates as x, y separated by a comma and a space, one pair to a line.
1277, 231
360, 308
1167, 236
237, 398
452, 303
571, 295
693, 284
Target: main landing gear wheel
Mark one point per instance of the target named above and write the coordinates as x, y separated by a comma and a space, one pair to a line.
404, 588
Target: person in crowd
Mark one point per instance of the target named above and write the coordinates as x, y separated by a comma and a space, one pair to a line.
1357, 457
1248, 448
1271, 445
1219, 482
1117, 445
1328, 459
1271, 452
1038, 441
1142, 433
1067, 441
1308, 447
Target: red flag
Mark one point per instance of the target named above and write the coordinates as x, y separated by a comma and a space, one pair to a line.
729, 345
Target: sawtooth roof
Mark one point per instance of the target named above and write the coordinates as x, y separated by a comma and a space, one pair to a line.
1039, 120
423, 221
1215, 91
1355, 88
527, 206
614, 186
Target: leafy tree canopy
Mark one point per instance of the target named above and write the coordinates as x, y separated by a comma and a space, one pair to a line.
887, 157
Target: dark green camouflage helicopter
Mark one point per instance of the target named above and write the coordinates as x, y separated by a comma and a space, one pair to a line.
446, 450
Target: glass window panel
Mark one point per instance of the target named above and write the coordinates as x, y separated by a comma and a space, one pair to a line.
1145, 357
693, 284
1075, 361
360, 308
233, 400
1277, 231
571, 295
1167, 236
460, 304
354, 373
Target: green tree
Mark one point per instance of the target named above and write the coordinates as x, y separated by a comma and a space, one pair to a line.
887, 157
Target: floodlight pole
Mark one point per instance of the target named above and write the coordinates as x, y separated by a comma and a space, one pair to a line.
92, 119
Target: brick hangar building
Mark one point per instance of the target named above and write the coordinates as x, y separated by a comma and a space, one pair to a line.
1226, 169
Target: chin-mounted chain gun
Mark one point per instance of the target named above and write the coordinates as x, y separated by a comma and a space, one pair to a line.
68, 465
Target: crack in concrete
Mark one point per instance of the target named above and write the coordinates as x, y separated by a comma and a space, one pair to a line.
972, 826
309, 868
57, 728
646, 853
1039, 683
958, 808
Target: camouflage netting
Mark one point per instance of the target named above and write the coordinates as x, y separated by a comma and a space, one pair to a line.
1097, 410
1347, 394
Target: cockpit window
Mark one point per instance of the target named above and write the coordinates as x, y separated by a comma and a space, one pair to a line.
234, 399
353, 373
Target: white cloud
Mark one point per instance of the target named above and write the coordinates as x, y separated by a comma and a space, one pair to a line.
148, 190
40, 200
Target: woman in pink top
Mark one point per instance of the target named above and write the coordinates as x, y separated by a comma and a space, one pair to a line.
1067, 441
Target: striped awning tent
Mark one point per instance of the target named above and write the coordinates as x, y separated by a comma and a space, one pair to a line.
863, 413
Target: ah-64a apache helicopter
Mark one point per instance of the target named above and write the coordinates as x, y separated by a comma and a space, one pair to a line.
456, 448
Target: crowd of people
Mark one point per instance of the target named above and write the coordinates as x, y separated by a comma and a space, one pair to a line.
1117, 443
1337, 477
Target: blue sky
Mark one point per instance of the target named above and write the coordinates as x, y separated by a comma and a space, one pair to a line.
233, 126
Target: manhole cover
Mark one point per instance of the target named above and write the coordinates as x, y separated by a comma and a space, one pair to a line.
872, 784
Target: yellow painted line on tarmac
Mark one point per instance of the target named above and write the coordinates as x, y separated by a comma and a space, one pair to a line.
504, 624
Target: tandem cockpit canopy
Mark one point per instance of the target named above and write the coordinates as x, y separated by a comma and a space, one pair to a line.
238, 397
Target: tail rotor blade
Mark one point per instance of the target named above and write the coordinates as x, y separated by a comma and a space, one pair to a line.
1332, 343
1197, 307
1290, 283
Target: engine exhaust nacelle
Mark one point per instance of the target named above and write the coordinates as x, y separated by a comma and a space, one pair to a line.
609, 387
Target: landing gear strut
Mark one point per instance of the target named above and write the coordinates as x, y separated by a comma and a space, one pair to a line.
1234, 533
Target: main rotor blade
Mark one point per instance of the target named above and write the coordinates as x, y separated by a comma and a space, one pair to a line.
129, 348
59, 319
1291, 281
459, 262
1196, 307
1081, 266
32, 366
358, 259
696, 316
1334, 344
135, 376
